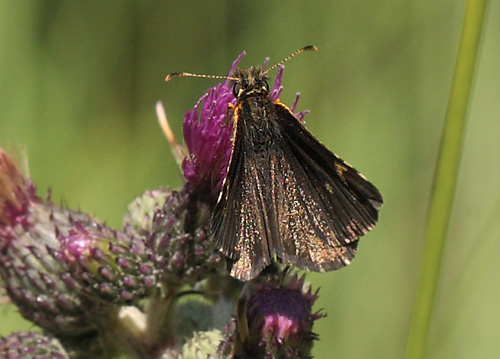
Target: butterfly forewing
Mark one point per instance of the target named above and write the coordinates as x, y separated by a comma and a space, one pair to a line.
346, 194
240, 223
321, 213
287, 196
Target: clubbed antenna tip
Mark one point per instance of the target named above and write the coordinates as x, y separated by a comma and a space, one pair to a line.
293, 54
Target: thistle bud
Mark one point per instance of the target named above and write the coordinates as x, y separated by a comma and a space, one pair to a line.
31, 345
109, 265
181, 247
138, 220
35, 277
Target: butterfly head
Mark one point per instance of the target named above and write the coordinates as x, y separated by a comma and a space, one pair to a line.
250, 82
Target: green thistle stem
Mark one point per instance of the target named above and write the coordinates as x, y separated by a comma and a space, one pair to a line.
445, 178
159, 312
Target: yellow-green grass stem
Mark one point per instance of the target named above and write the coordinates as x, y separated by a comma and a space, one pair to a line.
445, 179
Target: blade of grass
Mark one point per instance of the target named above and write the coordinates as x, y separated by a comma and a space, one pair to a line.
445, 178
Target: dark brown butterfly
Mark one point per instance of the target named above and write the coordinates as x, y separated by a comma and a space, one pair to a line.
286, 197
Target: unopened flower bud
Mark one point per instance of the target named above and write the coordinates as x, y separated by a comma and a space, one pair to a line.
31, 345
180, 243
35, 277
138, 220
109, 265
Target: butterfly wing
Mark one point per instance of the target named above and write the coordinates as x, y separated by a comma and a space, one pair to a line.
322, 204
287, 196
239, 222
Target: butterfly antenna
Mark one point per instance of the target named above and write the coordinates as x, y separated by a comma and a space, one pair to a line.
299, 51
188, 74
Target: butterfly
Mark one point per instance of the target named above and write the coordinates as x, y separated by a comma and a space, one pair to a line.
286, 198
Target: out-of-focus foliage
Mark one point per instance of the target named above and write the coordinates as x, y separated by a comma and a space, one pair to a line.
79, 84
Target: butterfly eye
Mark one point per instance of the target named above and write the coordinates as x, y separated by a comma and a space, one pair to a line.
236, 89
263, 85
266, 86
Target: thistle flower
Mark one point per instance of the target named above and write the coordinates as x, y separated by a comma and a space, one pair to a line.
208, 134
208, 138
274, 322
31, 345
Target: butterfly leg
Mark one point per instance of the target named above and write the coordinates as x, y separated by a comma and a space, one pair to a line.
229, 114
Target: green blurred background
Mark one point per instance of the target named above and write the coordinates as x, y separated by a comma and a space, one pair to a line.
79, 82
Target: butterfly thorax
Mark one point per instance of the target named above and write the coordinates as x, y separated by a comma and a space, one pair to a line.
255, 113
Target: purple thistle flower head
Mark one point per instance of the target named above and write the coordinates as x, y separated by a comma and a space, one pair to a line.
273, 322
208, 138
207, 133
283, 317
